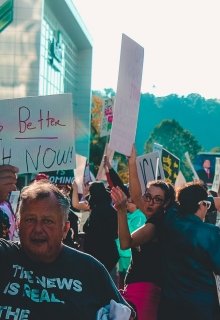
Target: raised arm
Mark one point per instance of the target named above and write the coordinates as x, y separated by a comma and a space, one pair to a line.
127, 240
80, 205
113, 178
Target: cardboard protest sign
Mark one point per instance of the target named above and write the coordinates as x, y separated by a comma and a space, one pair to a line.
107, 117
37, 133
127, 99
170, 163
216, 182
149, 168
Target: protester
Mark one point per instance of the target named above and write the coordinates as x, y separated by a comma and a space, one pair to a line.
41, 278
101, 228
190, 252
135, 219
191, 256
143, 281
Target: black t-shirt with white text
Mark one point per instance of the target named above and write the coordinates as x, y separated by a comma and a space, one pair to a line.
73, 287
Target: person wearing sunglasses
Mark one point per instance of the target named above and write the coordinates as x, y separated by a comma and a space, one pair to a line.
191, 257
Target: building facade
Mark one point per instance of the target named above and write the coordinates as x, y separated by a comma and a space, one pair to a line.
45, 49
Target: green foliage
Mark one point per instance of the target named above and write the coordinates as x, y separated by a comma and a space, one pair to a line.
176, 140
180, 124
193, 112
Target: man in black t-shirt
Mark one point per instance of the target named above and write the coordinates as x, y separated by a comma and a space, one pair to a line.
40, 277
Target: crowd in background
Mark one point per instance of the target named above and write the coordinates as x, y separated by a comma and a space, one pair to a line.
161, 248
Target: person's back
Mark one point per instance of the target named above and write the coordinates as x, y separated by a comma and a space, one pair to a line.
101, 227
191, 253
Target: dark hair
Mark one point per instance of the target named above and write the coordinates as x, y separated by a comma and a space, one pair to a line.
98, 194
167, 187
190, 195
4, 223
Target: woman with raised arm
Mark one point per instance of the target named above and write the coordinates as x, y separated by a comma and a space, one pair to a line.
142, 283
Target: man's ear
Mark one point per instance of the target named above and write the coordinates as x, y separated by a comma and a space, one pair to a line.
66, 229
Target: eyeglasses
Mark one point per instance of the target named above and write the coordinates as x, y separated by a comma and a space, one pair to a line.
156, 200
205, 203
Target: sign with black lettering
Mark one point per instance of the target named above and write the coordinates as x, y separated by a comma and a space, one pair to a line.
37, 133
149, 168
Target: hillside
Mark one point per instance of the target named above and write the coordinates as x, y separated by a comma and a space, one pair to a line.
194, 113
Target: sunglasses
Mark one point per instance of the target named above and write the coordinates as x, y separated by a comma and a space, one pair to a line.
156, 200
205, 203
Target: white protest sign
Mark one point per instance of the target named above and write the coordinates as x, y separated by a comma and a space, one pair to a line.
127, 100
37, 133
147, 166
107, 117
13, 199
79, 171
191, 166
216, 181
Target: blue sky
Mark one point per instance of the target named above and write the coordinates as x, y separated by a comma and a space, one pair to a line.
181, 39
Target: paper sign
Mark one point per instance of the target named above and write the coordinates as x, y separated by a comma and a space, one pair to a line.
107, 117
37, 133
216, 181
79, 171
170, 163
13, 199
127, 99
191, 166
147, 166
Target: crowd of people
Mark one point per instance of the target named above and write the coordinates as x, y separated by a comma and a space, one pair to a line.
150, 256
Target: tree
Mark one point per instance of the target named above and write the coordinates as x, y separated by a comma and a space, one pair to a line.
176, 140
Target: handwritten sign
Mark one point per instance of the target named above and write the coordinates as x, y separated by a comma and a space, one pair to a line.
149, 168
107, 117
37, 133
127, 100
